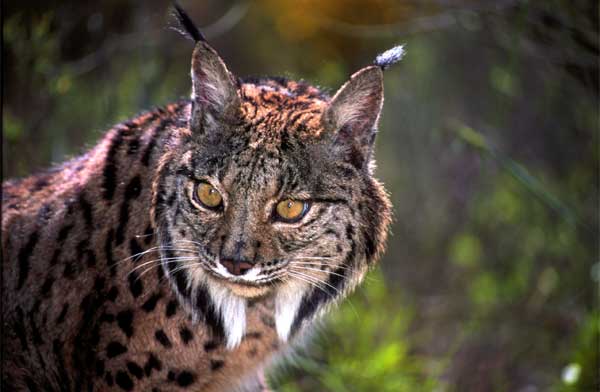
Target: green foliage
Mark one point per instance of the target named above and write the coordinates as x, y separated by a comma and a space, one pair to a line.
581, 373
363, 346
466, 250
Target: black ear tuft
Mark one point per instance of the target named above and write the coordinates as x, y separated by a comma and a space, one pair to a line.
189, 29
390, 57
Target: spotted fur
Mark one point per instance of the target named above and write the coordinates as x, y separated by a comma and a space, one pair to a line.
112, 273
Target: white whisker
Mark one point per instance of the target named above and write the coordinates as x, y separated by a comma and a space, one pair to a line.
337, 290
163, 260
317, 280
320, 264
137, 256
319, 270
311, 283
143, 235
188, 262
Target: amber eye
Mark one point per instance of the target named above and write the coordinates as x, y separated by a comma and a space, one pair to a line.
290, 211
208, 196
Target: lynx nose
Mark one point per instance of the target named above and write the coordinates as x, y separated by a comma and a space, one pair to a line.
236, 267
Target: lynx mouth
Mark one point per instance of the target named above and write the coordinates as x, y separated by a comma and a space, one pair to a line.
244, 288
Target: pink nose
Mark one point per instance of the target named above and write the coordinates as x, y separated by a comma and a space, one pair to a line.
236, 267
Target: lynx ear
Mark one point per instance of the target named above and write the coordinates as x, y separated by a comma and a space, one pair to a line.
352, 114
215, 97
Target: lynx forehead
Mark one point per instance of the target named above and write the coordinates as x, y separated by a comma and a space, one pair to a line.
282, 106
197, 241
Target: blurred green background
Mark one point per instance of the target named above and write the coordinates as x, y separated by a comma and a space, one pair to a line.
489, 145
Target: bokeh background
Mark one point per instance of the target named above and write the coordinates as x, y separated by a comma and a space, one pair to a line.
489, 145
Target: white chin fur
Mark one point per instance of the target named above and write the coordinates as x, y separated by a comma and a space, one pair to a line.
287, 302
232, 310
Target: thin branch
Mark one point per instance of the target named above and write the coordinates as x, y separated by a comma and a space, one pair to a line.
129, 42
440, 21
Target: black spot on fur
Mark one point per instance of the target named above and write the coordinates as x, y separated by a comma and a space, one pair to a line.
109, 183
63, 377
23, 257
153, 363
124, 381
69, 270
19, 328
180, 280
216, 365
162, 338
150, 304
175, 272
171, 375
267, 320
171, 199
349, 232
148, 235
125, 322
86, 210
211, 345
114, 349
186, 335
40, 183
253, 335
63, 233
135, 284
63, 313
113, 293
160, 274
47, 286
44, 215
109, 379
185, 378
87, 337
107, 318
132, 191
99, 283
99, 367
108, 246
55, 256
90, 258
171, 308
36, 336
150, 148
135, 370
133, 147
135, 248
206, 307
30, 384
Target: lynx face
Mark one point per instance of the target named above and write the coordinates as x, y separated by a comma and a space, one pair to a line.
270, 193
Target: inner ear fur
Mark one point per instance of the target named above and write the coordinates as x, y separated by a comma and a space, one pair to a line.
215, 96
351, 116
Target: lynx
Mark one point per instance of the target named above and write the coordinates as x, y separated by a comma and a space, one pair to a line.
196, 242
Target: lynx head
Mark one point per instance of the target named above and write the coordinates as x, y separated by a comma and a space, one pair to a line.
268, 192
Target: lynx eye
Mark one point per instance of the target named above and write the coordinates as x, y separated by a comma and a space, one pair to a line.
208, 196
291, 211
